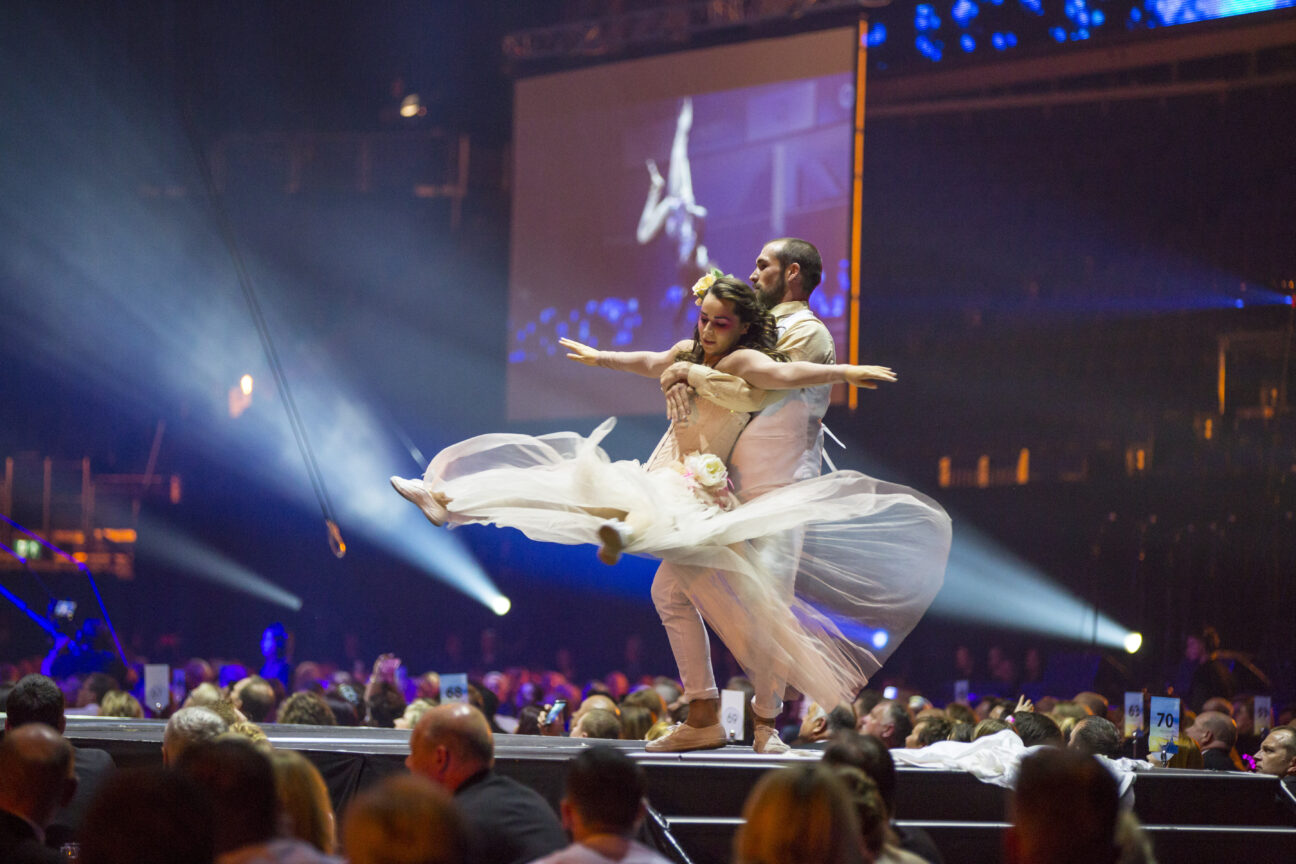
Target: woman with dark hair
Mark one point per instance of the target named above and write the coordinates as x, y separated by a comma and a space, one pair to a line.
869, 555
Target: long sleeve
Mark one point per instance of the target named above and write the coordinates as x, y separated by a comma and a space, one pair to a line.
729, 391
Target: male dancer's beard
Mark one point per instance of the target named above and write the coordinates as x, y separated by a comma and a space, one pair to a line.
774, 295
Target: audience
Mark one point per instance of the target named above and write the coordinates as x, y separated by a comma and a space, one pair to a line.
36, 780
1035, 728
1096, 736
37, 699
187, 727
1277, 753
303, 800
507, 822
889, 720
118, 704
596, 723
602, 809
928, 730
245, 805
308, 708
1063, 811
1215, 733
404, 820
149, 816
255, 697
801, 813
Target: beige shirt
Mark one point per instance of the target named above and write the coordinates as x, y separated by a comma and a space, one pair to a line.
783, 443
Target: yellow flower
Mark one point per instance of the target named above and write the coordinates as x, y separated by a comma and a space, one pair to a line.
702, 286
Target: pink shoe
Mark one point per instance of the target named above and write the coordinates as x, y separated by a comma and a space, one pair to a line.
415, 492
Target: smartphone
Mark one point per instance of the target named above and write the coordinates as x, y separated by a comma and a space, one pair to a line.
64, 608
555, 712
889, 692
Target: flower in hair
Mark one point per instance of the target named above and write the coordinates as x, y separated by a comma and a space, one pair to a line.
703, 285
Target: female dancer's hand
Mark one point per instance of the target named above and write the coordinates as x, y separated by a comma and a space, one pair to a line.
865, 376
580, 353
679, 404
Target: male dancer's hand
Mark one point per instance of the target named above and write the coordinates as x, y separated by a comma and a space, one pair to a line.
868, 376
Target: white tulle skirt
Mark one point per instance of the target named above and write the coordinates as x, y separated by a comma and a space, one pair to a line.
797, 583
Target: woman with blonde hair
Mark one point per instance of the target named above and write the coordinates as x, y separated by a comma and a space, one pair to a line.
801, 814
119, 703
304, 800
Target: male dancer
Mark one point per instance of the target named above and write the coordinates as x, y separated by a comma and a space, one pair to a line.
782, 444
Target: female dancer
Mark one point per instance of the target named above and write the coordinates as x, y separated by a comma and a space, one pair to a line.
864, 555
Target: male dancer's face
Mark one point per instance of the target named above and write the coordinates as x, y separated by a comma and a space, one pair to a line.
769, 279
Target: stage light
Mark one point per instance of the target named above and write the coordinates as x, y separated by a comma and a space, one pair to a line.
880, 639
1133, 642
245, 384
501, 605
410, 106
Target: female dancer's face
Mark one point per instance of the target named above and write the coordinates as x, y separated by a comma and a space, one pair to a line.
719, 328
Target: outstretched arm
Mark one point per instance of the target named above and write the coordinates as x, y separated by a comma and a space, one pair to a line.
762, 371
650, 364
720, 388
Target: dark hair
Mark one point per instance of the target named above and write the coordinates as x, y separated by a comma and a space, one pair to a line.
1035, 728
35, 699
605, 786
306, 708
529, 720
148, 816
100, 683
934, 728
241, 782
869, 806
1064, 788
383, 705
869, 754
902, 719
762, 332
1096, 736
841, 718
803, 254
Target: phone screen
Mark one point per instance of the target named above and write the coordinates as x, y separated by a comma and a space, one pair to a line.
555, 712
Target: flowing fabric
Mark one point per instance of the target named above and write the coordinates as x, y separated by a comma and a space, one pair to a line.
795, 582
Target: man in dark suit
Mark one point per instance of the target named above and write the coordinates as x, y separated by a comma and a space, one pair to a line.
37, 699
507, 822
1215, 733
36, 779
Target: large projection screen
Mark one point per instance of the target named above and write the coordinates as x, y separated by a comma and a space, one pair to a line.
751, 142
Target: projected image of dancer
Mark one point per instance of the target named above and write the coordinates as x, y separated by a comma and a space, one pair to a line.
864, 555
671, 206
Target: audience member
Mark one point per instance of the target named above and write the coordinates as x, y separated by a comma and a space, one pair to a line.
251, 732
819, 725
596, 723
871, 811
601, 810
307, 708
93, 689
148, 816
958, 712
1036, 729
1094, 703
1277, 753
303, 800
1096, 736
636, 720
869, 754
384, 704
255, 698
647, 698
413, 711
117, 703
507, 822
889, 720
528, 720
187, 727
1063, 811
37, 699
404, 820
36, 780
276, 649
245, 806
800, 813
989, 726
1215, 734
928, 730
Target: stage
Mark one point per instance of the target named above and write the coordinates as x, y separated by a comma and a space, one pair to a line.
1191, 816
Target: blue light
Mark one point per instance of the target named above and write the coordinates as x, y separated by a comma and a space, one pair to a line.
584, 331
1096, 18
518, 356
521, 335
561, 329
967, 43
547, 315
1033, 6
1238, 303
925, 18
590, 306
880, 639
963, 12
1136, 14
928, 48
1058, 34
1010, 39
997, 40
877, 35
1080, 34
